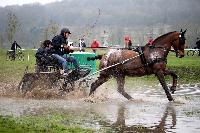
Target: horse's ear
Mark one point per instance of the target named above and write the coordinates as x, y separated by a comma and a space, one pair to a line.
181, 30
184, 31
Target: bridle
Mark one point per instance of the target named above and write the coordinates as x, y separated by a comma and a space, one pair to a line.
181, 40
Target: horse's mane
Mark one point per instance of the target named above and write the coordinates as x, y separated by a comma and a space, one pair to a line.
162, 36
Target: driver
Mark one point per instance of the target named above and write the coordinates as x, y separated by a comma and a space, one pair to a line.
61, 49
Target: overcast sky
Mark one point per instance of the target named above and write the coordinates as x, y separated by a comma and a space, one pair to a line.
4, 3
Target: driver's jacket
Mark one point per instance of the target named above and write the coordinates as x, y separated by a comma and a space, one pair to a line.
58, 45
58, 42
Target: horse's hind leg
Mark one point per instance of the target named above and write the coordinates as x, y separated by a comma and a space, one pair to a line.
161, 78
120, 83
174, 76
101, 79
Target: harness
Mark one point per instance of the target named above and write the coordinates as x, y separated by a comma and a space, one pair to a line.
140, 50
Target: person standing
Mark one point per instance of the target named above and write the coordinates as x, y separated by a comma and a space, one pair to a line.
14, 49
150, 41
95, 44
127, 42
198, 45
82, 45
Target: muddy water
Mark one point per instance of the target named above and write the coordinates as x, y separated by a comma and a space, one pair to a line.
107, 110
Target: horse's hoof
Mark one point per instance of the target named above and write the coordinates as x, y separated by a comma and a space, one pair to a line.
91, 93
173, 89
170, 99
131, 99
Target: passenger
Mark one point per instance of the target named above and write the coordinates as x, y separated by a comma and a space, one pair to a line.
61, 48
42, 53
14, 49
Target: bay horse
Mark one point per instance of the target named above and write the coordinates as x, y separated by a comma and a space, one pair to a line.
152, 60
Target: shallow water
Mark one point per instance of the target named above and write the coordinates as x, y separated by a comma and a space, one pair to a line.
149, 112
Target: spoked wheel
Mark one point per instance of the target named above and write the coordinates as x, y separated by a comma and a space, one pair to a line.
190, 53
21, 56
9, 56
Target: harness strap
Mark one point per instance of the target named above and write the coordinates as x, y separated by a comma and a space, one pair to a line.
143, 59
140, 50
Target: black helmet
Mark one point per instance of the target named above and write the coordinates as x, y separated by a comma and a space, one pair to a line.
65, 30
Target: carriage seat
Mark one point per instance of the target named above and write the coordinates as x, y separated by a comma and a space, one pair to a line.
47, 64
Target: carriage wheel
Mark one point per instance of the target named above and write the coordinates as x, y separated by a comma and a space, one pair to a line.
190, 53
24, 87
21, 56
83, 84
9, 56
66, 87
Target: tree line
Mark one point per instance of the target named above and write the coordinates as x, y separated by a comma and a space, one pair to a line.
31, 23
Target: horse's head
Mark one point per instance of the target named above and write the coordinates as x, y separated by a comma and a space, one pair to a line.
179, 43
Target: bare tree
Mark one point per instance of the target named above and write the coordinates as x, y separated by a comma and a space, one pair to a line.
51, 30
46, 33
1, 40
13, 26
53, 26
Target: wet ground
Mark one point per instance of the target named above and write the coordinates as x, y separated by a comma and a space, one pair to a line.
107, 110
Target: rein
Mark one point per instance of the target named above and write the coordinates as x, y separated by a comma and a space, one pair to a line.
119, 63
164, 49
124, 61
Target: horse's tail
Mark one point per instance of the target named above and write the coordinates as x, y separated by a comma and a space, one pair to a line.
98, 57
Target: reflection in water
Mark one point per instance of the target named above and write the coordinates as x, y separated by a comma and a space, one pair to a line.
145, 116
120, 124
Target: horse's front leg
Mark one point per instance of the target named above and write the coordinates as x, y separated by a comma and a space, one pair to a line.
120, 83
161, 78
174, 76
101, 79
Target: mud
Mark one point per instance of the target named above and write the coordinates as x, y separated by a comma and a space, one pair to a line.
107, 110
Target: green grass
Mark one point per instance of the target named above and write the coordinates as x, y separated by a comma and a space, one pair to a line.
31, 124
13, 70
187, 68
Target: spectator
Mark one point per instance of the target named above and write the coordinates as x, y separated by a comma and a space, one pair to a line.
198, 45
82, 45
127, 42
14, 49
95, 44
150, 41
